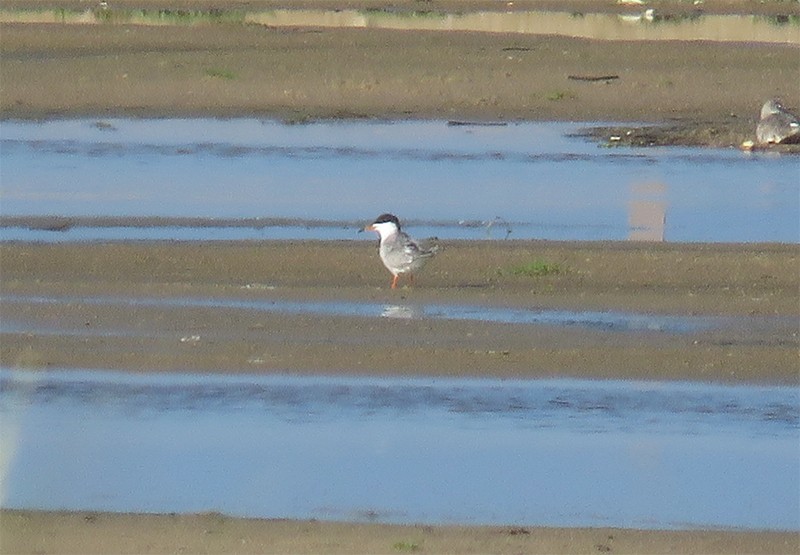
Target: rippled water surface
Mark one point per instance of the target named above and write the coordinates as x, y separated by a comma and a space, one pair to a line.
549, 452
613, 321
244, 178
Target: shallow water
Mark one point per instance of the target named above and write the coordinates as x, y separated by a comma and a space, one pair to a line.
540, 452
613, 321
325, 180
631, 26
637, 24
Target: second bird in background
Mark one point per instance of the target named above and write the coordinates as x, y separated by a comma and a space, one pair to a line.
777, 125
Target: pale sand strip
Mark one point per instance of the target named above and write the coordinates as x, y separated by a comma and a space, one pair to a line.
104, 533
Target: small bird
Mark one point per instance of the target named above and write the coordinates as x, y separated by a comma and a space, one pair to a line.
777, 125
399, 252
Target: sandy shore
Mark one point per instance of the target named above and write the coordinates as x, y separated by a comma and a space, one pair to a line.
97, 533
710, 92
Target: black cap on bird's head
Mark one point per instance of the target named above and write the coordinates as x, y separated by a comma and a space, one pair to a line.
383, 218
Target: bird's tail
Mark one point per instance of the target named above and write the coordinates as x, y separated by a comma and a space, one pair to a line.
431, 250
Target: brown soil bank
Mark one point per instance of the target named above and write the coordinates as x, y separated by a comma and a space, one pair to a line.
296, 73
90, 533
755, 286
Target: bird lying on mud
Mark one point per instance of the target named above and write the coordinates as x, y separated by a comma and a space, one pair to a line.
400, 253
777, 125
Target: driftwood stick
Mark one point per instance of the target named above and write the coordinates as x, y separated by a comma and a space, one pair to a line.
592, 77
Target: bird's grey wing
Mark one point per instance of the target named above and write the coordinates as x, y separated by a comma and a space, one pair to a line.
414, 250
396, 253
779, 127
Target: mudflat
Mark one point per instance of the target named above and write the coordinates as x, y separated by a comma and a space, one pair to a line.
708, 93
755, 287
100, 306
102, 533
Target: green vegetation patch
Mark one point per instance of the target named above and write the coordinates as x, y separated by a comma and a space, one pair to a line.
555, 96
537, 268
218, 73
406, 547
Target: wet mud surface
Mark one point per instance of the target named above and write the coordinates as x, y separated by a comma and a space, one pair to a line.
325, 307
720, 134
91, 532
713, 89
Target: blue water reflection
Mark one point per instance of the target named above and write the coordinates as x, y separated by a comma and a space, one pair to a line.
534, 176
549, 452
609, 320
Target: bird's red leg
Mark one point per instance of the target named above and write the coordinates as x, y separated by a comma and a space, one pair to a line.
394, 281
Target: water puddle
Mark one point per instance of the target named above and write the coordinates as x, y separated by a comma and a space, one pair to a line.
549, 452
612, 321
643, 25
639, 24
249, 179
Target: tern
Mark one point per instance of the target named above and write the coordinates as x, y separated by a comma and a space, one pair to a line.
400, 253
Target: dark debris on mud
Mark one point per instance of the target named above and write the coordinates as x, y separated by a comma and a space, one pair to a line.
688, 134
